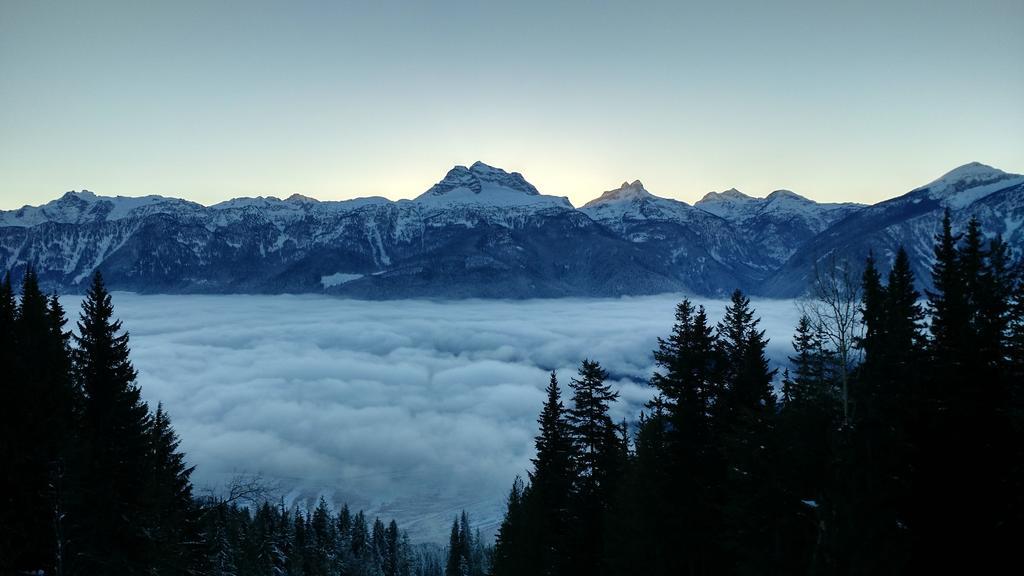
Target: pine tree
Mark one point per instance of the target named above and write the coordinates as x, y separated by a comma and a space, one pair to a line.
109, 537
512, 550
687, 379
456, 566
10, 445
360, 537
596, 461
323, 537
903, 315
971, 259
678, 469
746, 421
40, 427
392, 552
994, 297
550, 485
873, 312
805, 424
947, 304
592, 430
170, 513
809, 386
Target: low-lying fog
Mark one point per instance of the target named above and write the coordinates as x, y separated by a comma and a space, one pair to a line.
409, 409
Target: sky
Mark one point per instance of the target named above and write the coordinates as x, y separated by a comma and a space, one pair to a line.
413, 411
838, 101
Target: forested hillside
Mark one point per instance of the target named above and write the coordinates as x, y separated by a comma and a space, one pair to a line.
893, 448
94, 482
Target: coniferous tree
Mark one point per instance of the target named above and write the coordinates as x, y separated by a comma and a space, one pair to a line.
513, 554
40, 429
456, 565
947, 304
873, 297
171, 516
994, 311
323, 539
903, 331
11, 406
679, 468
392, 553
116, 443
597, 464
360, 536
550, 484
747, 420
806, 422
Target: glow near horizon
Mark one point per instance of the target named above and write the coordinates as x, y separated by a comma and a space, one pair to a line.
209, 101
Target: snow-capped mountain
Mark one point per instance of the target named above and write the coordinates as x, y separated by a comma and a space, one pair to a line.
995, 197
779, 223
701, 250
479, 232
484, 232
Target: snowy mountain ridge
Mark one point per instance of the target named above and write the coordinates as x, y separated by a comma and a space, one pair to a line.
482, 231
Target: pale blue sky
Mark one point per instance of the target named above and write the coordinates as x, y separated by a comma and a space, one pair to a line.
210, 100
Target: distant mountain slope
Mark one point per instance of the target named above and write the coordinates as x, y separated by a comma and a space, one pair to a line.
778, 224
700, 250
912, 220
484, 232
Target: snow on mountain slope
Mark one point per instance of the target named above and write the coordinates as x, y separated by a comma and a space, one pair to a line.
485, 232
632, 201
485, 185
996, 198
777, 224
969, 183
739, 208
85, 206
701, 249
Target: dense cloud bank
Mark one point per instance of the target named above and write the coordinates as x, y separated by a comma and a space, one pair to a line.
412, 409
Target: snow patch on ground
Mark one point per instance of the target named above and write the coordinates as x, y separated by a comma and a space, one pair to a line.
338, 279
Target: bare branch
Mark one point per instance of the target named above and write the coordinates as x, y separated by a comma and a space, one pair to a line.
833, 305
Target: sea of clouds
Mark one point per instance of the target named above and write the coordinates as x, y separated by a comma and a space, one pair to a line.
409, 409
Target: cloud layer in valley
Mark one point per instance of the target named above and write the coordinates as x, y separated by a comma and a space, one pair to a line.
411, 409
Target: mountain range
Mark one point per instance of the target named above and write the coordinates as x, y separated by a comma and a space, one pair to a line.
484, 232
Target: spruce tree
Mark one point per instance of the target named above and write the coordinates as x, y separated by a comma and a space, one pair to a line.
170, 511
512, 551
597, 463
994, 308
678, 469
10, 405
550, 484
873, 298
746, 421
904, 316
947, 304
456, 565
40, 429
110, 503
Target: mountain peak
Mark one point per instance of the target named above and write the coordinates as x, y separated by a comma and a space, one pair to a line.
481, 168
479, 178
968, 183
79, 195
785, 194
963, 177
972, 170
730, 194
627, 192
